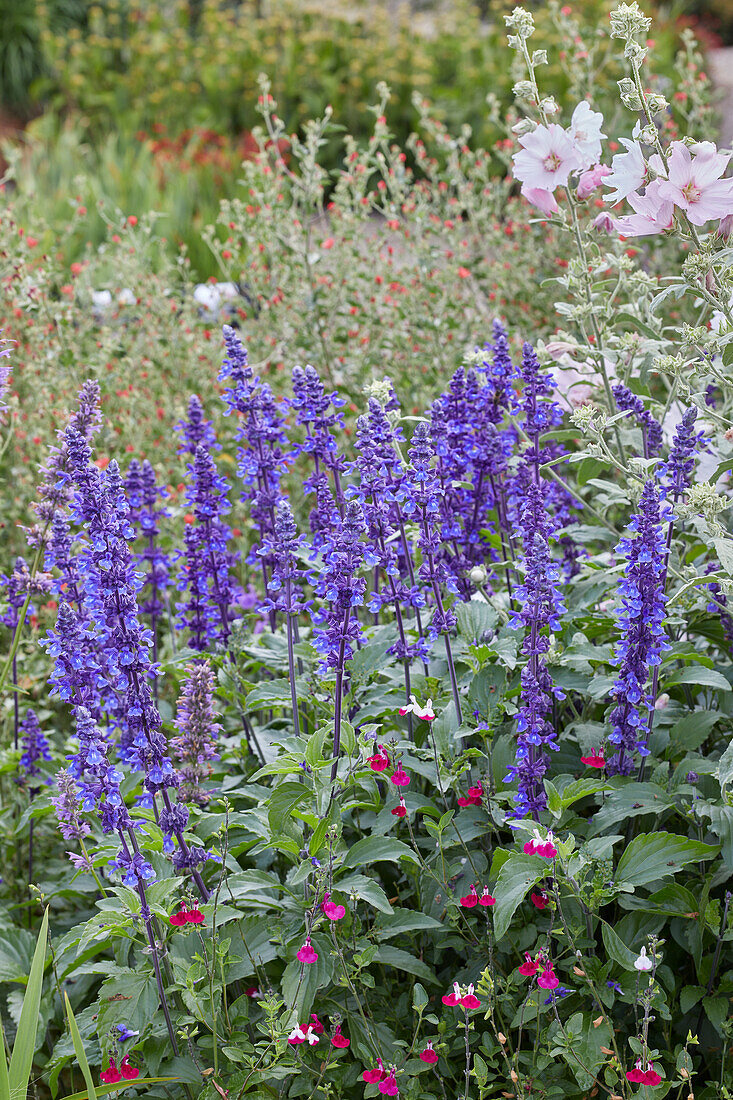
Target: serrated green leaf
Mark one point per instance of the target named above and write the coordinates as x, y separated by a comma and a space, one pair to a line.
517, 875
373, 849
655, 855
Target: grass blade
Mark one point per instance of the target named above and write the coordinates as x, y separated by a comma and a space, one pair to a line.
106, 1090
79, 1050
24, 1047
4, 1080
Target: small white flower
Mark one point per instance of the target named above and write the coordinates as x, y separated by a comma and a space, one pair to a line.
643, 962
413, 707
296, 1035
311, 1036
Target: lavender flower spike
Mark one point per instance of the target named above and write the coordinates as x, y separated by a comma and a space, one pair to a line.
641, 619
196, 723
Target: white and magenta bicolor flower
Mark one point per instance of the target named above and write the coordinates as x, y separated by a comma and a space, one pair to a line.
426, 713
537, 846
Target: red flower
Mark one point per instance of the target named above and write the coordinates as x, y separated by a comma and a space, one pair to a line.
548, 979
328, 243
178, 919
486, 898
128, 1072
473, 798
595, 760
541, 900
195, 916
529, 966
307, 953
339, 1040
636, 1075
400, 777
371, 1076
471, 899
110, 1076
470, 1001
379, 762
388, 1087
331, 910
454, 997
463, 273
536, 846
316, 1025
401, 810
428, 1055
651, 1077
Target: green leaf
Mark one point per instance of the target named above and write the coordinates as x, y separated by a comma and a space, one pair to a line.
716, 1010
81, 1056
629, 800
655, 855
24, 1047
699, 676
271, 693
474, 618
107, 1090
724, 771
517, 875
4, 1079
406, 920
373, 849
402, 960
283, 800
128, 995
616, 947
690, 731
724, 547
366, 889
419, 997
690, 995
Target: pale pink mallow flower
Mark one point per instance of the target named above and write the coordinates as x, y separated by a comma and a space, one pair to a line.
591, 180
628, 171
546, 159
653, 214
585, 133
694, 181
543, 200
603, 222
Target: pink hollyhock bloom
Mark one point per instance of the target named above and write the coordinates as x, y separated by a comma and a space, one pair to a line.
546, 159
471, 899
453, 998
591, 180
486, 898
543, 200
548, 979
595, 760
628, 172
725, 228
371, 1076
529, 966
473, 797
654, 214
585, 133
469, 1000
429, 1055
541, 900
400, 777
315, 1025
111, 1075
401, 810
339, 1040
332, 911
307, 954
388, 1087
128, 1072
380, 761
413, 707
694, 181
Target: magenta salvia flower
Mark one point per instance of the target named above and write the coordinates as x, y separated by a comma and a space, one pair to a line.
651, 429
195, 746
307, 953
641, 618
